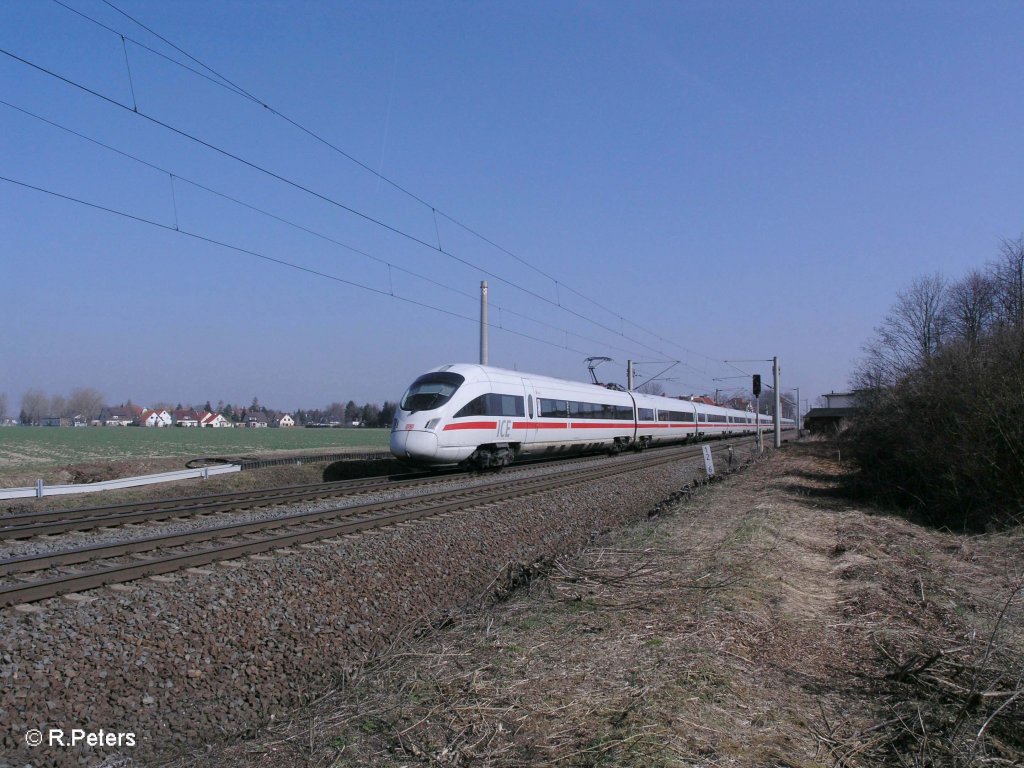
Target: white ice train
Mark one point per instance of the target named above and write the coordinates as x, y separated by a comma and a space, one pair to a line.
488, 417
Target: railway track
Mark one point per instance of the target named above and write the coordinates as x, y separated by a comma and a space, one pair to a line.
150, 556
23, 526
54, 522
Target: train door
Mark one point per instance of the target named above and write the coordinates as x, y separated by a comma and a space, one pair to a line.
531, 413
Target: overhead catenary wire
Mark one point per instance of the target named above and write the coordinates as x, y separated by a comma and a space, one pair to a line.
238, 90
272, 259
154, 51
323, 197
327, 238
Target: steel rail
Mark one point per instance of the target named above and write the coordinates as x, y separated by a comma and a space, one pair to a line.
77, 555
48, 523
53, 522
188, 503
361, 517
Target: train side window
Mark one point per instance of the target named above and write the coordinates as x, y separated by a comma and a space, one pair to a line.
645, 414
529, 405
474, 407
508, 405
675, 416
492, 405
557, 409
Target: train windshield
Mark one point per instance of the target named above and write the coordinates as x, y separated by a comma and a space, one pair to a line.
431, 390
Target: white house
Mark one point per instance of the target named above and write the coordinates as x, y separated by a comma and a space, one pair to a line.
214, 420
285, 421
151, 418
121, 416
186, 418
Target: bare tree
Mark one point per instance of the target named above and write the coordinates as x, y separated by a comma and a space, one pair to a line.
87, 402
1008, 274
34, 405
910, 334
651, 388
58, 406
971, 307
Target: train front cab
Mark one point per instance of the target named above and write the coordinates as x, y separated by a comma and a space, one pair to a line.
450, 417
421, 411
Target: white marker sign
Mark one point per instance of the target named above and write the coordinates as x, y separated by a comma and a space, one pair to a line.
709, 465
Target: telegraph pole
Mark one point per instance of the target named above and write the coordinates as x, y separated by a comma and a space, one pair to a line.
799, 426
483, 322
778, 403
629, 375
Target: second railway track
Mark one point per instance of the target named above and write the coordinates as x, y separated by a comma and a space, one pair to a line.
163, 554
23, 526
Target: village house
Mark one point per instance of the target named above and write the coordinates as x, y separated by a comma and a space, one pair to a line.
186, 418
120, 415
702, 399
257, 420
839, 408
285, 420
214, 420
151, 418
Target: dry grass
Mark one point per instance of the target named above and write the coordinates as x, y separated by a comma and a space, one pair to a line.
766, 621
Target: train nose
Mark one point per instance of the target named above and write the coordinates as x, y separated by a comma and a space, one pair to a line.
413, 444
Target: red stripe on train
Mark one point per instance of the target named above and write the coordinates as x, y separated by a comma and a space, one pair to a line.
472, 425
589, 425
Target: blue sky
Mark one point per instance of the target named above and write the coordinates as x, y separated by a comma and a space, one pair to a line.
721, 181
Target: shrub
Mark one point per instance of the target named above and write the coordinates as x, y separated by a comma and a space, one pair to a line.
948, 438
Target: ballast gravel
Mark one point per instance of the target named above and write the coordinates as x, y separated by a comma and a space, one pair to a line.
40, 545
214, 653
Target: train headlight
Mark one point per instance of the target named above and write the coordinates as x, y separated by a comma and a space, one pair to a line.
432, 423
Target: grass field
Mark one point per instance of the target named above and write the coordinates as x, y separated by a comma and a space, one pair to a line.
24, 448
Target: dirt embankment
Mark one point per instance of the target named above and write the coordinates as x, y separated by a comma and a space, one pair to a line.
769, 621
